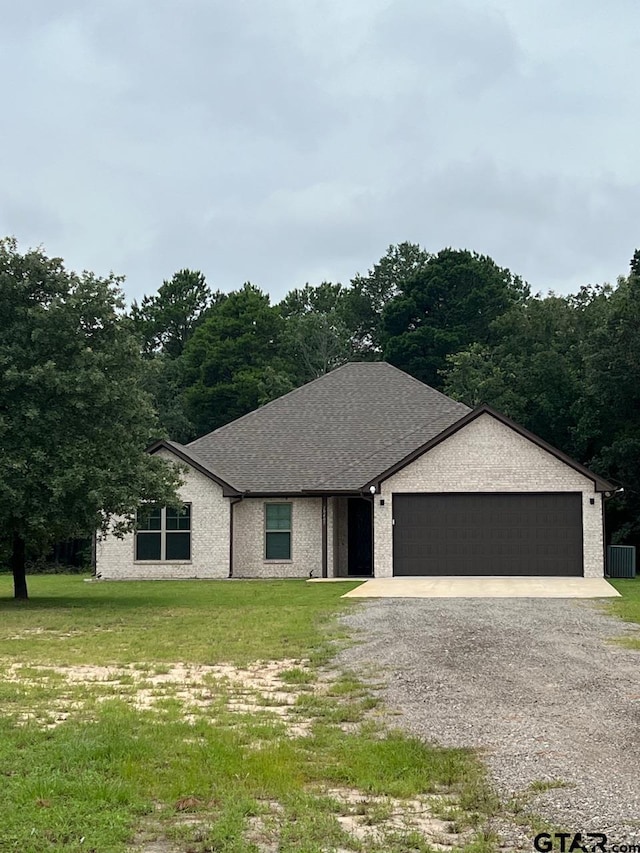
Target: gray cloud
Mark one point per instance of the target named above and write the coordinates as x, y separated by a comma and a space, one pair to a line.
283, 142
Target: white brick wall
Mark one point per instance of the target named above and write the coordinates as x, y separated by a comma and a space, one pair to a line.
306, 540
209, 538
487, 456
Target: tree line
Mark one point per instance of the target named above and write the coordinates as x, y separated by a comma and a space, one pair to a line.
211, 356
88, 382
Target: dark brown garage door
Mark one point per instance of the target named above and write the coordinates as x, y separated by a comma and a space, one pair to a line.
488, 534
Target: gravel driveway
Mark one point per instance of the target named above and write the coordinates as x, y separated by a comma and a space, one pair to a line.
535, 683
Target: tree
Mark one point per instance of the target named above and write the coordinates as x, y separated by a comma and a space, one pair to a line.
448, 304
609, 422
233, 361
479, 375
75, 420
316, 337
368, 296
316, 343
167, 320
325, 298
530, 369
164, 381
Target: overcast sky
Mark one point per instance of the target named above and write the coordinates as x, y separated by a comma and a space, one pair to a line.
285, 141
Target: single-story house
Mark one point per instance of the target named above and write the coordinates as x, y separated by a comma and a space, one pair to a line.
368, 472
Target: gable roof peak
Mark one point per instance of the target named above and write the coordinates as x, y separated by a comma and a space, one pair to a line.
600, 483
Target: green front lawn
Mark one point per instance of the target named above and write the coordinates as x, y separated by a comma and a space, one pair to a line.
193, 717
627, 607
195, 621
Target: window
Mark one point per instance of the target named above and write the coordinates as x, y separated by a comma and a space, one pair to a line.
277, 531
163, 534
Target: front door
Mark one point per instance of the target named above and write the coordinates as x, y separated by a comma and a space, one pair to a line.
359, 542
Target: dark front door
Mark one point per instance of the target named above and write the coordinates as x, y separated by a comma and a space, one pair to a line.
359, 545
488, 534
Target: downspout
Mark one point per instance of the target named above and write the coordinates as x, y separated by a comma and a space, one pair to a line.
232, 503
373, 536
324, 538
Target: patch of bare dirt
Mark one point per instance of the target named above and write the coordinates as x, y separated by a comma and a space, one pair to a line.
370, 822
51, 634
257, 688
372, 819
157, 846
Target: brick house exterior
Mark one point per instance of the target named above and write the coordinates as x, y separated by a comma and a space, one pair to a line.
311, 485
115, 558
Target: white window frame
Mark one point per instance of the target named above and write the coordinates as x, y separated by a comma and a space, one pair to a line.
163, 538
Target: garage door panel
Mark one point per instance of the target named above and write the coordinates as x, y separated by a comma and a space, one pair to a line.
488, 534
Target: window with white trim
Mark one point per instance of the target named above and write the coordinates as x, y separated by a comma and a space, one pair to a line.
277, 527
163, 534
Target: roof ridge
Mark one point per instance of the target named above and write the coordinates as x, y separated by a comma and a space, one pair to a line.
270, 403
424, 385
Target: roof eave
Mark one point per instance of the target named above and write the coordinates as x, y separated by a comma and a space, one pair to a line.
600, 484
228, 490
336, 492
302, 493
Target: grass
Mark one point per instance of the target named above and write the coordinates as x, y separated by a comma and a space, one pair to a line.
84, 768
627, 607
200, 622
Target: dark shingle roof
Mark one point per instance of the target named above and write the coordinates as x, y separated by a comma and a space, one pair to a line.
335, 433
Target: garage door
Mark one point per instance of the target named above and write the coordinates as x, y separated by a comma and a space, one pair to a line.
488, 534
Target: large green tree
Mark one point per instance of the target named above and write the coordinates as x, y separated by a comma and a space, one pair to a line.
316, 337
366, 299
166, 320
164, 323
609, 423
530, 368
233, 362
164, 381
74, 419
324, 298
448, 304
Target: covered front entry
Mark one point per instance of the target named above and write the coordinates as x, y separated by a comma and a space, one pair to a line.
488, 534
